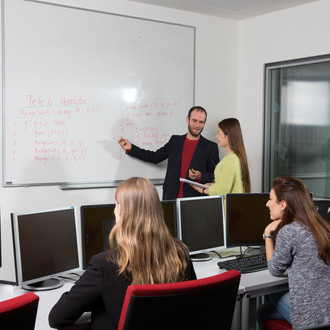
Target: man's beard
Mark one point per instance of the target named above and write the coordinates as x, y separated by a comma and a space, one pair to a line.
191, 131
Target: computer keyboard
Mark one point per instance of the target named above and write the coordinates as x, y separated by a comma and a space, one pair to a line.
244, 264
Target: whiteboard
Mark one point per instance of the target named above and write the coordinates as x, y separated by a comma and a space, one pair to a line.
73, 79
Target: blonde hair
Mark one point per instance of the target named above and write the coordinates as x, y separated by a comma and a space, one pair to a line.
140, 242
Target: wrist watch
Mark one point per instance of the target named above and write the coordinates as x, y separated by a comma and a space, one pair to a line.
267, 236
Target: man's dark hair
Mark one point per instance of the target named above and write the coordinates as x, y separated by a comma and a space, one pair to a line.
197, 108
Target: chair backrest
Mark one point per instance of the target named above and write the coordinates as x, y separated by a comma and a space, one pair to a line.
19, 312
276, 324
206, 303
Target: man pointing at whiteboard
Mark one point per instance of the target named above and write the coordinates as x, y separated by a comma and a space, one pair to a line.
190, 156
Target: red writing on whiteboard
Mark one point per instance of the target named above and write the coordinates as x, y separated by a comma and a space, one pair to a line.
166, 104
38, 100
49, 123
72, 101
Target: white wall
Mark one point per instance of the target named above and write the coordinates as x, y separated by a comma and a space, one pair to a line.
284, 35
216, 90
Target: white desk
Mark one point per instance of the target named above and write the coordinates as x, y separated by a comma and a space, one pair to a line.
251, 285
46, 302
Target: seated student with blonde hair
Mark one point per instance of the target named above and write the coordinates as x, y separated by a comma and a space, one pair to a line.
142, 251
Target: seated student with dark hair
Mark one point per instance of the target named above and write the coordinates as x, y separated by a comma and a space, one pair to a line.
142, 252
302, 247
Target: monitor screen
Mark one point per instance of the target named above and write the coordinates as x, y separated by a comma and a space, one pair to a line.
247, 217
45, 244
98, 220
323, 207
96, 224
201, 223
170, 216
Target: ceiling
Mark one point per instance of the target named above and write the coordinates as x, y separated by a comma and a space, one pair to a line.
232, 9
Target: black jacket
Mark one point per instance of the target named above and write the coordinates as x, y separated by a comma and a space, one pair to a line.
98, 291
205, 159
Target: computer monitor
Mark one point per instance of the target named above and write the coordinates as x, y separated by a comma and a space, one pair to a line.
201, 225
98, 220
247, 217
323, 207
45, 245
170, 216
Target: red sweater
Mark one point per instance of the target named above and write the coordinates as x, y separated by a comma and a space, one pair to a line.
188, 151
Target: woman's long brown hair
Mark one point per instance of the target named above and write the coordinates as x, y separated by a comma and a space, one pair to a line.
300, 206
232, 128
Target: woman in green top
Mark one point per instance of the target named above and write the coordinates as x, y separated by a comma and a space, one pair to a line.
232, 173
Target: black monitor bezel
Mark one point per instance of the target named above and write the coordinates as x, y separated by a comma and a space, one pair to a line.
260, 242
175, 215
224, 237
82, 223
32, 284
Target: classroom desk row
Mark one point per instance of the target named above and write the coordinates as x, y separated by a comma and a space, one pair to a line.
252, 285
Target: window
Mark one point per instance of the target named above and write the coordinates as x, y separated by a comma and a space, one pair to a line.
297, 123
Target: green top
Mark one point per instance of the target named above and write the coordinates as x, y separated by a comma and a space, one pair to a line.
227, 176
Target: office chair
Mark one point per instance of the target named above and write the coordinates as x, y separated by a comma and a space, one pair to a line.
19, 312
323, 207
276, 324
206, 303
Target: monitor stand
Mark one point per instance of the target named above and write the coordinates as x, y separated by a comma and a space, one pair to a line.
200, 257
50, 284
256, 250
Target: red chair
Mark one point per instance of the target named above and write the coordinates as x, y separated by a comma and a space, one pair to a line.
206, 303
276, 324
19, 312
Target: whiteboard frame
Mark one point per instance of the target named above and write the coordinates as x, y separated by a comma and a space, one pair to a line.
67, 184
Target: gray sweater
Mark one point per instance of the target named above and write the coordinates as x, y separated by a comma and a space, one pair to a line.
309, 276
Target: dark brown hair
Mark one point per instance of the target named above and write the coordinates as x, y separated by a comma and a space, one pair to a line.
300, 206
232, 128
197, 108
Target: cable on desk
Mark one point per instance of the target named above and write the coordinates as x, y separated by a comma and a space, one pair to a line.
218, 254
228, 256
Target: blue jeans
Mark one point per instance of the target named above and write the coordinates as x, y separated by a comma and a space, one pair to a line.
277, 306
